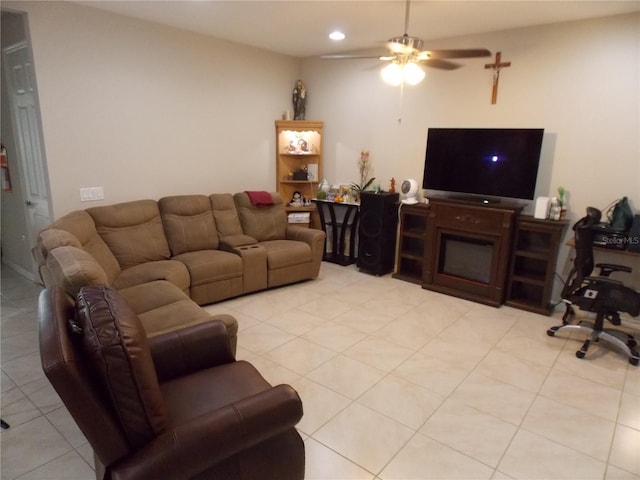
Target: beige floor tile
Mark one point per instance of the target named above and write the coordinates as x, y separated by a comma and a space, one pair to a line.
27, 446
408, 332
346, 376
296, 321
494, 397
605, 366
581, 393
364, 436
70, 466
477, 434
17, 408
570, 427
300, 355
335, 336
24, 369
463, 352
528, 340
322, 463
615, 473
320, 404
485, 326
513, 370
629, 414
625, 451
379, 353
326, 308
405, 402
532, 457
424, 459
365, 320
436, 374
262, 338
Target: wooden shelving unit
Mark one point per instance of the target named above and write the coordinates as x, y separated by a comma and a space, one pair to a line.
298, 148
411, 243
533, 262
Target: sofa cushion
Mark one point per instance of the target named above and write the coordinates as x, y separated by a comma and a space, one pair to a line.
262, 223
208, 266
72, 268
133, 231
117, 347
80, 224
188, 223
171, 270
226, 215
162, 307
285, 253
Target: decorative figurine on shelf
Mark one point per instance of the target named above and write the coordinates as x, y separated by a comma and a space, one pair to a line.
297, 200
299, 101
392, 187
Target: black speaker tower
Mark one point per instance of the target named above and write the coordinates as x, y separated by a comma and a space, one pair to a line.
377, 232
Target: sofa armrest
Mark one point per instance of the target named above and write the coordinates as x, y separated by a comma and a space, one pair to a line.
232, 241
189, 449
303, 234
190, 349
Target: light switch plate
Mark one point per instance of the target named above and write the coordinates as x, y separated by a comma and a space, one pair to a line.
91, 194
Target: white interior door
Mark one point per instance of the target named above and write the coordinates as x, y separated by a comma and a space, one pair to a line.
20, 79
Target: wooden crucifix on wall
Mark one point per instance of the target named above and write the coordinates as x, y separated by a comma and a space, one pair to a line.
496, 66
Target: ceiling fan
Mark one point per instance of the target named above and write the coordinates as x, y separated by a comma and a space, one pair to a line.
405, 54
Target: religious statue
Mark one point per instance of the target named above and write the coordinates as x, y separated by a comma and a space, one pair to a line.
299, 100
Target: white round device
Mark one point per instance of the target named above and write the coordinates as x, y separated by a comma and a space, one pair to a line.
409, 189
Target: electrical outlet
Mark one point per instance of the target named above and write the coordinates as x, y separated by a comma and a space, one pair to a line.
91, 194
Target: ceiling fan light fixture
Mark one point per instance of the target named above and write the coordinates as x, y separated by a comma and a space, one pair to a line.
392, 74
395, 73
412, 73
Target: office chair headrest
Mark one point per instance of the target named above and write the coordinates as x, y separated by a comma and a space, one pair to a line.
589, 220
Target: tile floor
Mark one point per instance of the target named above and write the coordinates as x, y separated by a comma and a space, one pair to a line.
397, 383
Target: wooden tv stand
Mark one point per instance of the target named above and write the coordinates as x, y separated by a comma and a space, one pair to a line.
485, 253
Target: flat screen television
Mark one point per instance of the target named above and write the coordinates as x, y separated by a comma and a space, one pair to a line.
483, 162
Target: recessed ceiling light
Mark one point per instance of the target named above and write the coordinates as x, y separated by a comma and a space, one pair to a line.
336, 35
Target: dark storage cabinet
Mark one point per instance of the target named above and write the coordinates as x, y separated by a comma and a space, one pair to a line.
412, 243
533, 262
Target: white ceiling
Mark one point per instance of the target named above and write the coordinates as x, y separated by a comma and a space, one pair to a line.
301, 28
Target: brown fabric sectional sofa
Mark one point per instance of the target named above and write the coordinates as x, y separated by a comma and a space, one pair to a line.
169, 257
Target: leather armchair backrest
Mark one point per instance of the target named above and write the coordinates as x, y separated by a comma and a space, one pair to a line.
65, 366
117, 350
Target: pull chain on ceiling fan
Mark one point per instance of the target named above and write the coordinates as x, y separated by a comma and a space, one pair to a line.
405, 55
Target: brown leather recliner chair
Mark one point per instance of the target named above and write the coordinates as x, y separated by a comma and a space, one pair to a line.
177, 406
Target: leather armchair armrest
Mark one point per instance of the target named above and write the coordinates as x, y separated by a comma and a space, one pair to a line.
232, 241
187, 450
191, 349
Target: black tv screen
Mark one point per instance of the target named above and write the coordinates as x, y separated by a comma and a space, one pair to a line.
495, 162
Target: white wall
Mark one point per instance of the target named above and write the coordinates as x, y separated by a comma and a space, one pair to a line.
579, 81
145, 111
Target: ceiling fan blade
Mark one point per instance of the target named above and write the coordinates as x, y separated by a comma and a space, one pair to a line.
441, 64
351, 57
457, 53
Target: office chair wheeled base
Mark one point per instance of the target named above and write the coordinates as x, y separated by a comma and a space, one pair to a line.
624, 341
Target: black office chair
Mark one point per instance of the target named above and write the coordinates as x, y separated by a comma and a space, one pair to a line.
600, 294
